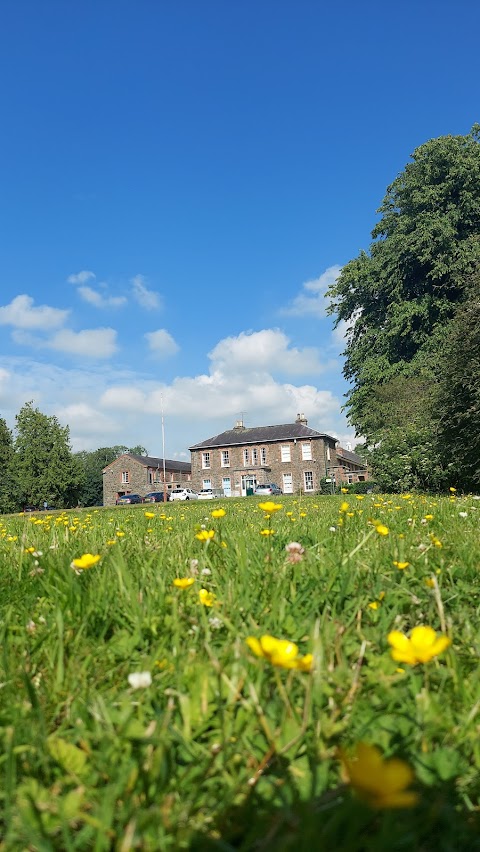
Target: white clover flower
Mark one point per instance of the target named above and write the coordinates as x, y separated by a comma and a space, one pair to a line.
463, 514
206, 572
140, 680
30, 626
332, 529
215, 623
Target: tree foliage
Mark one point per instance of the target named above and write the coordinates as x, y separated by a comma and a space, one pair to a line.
7, 482
45, 468
399, 299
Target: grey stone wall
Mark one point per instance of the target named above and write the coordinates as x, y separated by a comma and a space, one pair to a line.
138, 479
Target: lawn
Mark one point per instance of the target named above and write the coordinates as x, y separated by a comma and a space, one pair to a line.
140, 713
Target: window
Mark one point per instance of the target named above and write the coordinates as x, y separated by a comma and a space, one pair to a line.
150, 477
227, 486
307, 452
285, 453
125, 477
263, 455
287, 483
254, 456
205, 460
225, 458
207, 483
328, 453
245, 458
308, 476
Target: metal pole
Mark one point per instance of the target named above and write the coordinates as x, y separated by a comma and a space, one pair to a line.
163, 453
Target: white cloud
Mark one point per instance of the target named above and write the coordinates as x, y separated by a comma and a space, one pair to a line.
161, 343
263, 350
85, 421
93, 297
81, 277
21, 313
311, 300
90, 343
146, 298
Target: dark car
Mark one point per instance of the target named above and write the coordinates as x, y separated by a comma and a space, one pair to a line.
128, 498
156, 497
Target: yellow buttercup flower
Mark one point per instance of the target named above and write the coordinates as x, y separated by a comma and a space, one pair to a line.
149, 514
381, 529
205, 535
270, 507
85, 561
422, 646
401, 565
344, 506
380, 783
218, 513
344, 490
183, 582
266, 532
280, 652
207, 598
374, 605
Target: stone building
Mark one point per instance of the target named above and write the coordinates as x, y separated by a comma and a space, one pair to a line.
349, 467
132, 474
292, 455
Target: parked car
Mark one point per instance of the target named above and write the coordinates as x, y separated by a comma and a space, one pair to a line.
210, 493
183, 494
31, 509
156, 497
128, 498
268, 488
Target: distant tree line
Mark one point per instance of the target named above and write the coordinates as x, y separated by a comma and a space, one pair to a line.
410, 307
38, 465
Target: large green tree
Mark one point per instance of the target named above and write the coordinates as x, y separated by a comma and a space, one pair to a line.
399, 298
8, 495
46, 469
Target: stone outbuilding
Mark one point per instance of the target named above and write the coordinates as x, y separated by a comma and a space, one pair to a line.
132, 474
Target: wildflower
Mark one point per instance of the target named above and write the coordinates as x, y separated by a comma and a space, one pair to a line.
401, 565
332, 529
344, 490
295, 552
183, 582
270, 507
430, 583
266, 532
374, 605
380, 783
207, 598
85, 561
149, 514
30, 626
206, 572
422, 646
452, 490
205, 535
280, 652
215, 623
381, 529
218, 513
194, 566
344, 506
140, 680
463, 514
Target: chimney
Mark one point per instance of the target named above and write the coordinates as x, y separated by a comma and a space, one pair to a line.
239, 427
301, 419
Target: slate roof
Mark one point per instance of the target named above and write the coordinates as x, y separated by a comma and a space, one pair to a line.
349, 456
153, 461
260, 435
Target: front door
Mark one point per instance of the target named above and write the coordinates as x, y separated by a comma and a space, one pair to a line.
227, 486
287, 483
249, 483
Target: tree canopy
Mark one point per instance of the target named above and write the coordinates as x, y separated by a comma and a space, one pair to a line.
399, 299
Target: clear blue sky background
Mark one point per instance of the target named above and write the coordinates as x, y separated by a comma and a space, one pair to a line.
181, 180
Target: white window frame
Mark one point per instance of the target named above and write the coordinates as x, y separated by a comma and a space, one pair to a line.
308, 481
254, 456
285, 453
328, 453
245, 458
224, 458
263, 455
207, 483
206, 461
307, 451
125, 477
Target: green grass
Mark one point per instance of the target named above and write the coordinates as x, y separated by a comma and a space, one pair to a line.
223, 750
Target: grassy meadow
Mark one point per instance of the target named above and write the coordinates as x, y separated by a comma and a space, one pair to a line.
136, 713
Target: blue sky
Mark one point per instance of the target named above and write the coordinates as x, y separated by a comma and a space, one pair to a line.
182, 180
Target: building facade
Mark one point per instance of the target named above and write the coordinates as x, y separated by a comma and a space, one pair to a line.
293, 456
132, 474
349, 468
